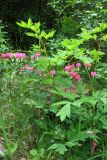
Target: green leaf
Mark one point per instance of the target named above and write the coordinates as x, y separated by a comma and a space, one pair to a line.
29, 23
13, 147
81, 136
36, 27
22, 24
104, 100
31, 34
60, 148
64, 112
59, 103
104, 38
35, 155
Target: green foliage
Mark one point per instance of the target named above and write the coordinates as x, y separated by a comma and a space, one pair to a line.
74, 47
4, 46
37, 33
46, 113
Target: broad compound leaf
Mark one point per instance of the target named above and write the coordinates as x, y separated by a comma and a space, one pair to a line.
60, 148
64, 112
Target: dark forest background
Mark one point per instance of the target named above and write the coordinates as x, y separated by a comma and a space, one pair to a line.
65, 16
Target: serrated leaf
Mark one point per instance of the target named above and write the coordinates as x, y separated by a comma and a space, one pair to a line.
60, 148
59, 103
29, 23
64, 112
104, 100
31, 34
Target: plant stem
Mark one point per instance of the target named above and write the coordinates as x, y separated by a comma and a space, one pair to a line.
5, 138
97, 156
90, 79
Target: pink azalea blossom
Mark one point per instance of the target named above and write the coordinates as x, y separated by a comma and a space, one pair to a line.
37, 55
52, 73
93, 74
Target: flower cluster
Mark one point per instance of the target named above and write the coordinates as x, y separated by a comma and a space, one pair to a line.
13, 55
75, 75
26, 67
7, 55
19, 55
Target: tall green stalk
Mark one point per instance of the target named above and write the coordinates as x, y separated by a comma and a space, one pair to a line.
5, 137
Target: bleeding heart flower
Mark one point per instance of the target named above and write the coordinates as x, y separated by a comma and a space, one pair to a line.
93, 74
68, 68
78, 65
52, 73
73, 88
5, 55
32, 57
11, 55
37, 55
94, 145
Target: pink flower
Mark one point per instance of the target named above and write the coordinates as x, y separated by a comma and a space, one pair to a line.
78, 65
32, 57
94, 145
11, 55
72, 66
37, 55
73, 74
5, 55
78, 78
30, 68
67, 68
93, 74
52, 73
20, 55
73, 88
17, 55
